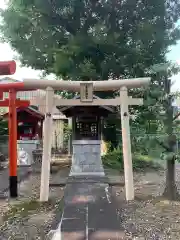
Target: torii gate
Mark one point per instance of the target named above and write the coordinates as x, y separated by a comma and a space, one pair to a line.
86, 91
9, 68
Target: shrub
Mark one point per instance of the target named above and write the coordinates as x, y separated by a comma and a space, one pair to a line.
114, 160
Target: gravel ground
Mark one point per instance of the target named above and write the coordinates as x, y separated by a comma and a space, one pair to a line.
26, 218
148, 217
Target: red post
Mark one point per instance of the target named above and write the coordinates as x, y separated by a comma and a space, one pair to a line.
12, 144
1, 95
9, 68
13, 103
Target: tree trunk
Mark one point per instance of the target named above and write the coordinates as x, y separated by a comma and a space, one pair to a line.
170, 191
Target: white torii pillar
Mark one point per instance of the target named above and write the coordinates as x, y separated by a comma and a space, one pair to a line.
47, 140
126, 145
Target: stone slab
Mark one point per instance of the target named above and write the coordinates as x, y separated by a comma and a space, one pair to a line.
86, 158
90, 212
61, 178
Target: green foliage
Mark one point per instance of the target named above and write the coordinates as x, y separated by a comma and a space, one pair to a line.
97, 40
89, 39
114, 160
67, 131
109, 146
83, 40
66, 135
110, 133
3, 127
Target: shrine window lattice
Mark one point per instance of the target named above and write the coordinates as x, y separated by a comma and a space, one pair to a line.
87, 129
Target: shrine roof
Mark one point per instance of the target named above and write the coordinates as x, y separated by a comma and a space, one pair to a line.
31, 110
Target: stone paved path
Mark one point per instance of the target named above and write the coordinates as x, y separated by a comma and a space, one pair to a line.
90, 211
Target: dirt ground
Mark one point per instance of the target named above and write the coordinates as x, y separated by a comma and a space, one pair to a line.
148, 217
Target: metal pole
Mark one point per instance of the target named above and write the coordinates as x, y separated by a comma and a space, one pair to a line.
47, 140
126, 142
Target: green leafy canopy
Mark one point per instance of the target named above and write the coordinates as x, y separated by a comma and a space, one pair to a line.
91, 39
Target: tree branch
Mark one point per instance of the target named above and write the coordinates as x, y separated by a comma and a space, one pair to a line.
163, 145
177, 115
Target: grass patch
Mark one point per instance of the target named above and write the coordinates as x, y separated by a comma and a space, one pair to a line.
24, 209
114, 160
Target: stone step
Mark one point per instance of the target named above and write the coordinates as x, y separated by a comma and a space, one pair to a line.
61, 180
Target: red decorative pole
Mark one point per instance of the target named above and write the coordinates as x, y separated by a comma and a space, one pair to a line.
9, 68
12, 144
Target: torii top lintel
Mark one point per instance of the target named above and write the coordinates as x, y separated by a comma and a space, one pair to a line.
74, 86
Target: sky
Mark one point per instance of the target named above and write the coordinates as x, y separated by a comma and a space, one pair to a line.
6, 53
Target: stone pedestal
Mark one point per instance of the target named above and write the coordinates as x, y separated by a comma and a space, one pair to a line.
86, 158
